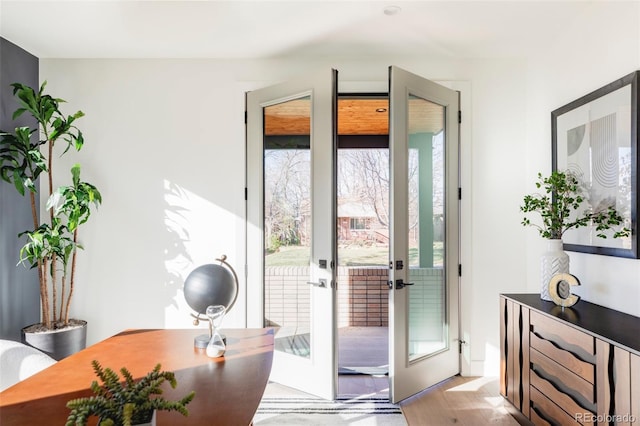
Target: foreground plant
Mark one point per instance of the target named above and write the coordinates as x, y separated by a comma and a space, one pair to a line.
125, 403
561, 197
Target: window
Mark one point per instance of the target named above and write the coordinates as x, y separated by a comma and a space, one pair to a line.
357, 223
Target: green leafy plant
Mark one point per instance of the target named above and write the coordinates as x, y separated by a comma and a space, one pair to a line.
127, 402
561, 197
52, 244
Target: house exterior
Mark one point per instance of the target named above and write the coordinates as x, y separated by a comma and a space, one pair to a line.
358, 224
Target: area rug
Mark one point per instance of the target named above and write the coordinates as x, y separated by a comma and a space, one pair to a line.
366, 371
311, 411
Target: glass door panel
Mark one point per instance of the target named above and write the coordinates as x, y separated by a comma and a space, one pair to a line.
428, 330
287, 224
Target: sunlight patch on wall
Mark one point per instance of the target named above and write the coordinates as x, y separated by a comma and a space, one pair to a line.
491, 360
198, 232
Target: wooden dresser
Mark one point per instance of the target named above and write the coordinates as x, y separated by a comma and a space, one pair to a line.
580, 365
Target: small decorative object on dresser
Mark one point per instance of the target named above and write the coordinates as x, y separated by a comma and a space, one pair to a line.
559, 208
554, 261
560, 290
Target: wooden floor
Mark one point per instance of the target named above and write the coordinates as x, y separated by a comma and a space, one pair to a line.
464, 401
461, 400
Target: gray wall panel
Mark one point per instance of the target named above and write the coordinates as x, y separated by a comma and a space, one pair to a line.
19, 294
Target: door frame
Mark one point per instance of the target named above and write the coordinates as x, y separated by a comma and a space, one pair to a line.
467, 365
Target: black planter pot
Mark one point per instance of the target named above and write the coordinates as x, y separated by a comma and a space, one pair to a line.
60, 343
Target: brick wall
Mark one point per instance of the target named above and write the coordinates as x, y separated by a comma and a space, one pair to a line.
363, 296
287, 296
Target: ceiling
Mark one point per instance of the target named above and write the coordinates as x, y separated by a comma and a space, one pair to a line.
271, 29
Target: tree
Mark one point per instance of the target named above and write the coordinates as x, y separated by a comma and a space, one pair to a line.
287, 182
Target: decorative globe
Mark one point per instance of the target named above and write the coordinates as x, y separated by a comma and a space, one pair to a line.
210, 285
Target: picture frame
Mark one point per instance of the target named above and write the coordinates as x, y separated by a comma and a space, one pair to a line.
596, 138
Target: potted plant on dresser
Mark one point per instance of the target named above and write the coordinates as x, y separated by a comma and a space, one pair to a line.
559, 206
52, 245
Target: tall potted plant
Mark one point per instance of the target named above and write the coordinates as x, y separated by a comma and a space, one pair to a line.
560, 208
52, 245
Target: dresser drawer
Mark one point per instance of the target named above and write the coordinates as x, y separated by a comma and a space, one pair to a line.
562, 378
564, 336
564, 357
568, 404
547, 411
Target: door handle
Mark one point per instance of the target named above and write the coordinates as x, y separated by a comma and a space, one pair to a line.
322, 283
399, 284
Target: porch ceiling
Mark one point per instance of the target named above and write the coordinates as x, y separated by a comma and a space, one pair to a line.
355, 117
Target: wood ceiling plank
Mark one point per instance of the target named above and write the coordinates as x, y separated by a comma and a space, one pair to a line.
355, 117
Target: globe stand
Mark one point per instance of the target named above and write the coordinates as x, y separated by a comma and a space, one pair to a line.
200, 342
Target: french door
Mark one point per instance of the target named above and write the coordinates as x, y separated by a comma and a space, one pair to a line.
423, 253
291, 185
291, 198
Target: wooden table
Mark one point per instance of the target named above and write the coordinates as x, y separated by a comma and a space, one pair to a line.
228, 389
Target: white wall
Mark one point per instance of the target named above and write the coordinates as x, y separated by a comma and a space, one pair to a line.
165, 144
599, 47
